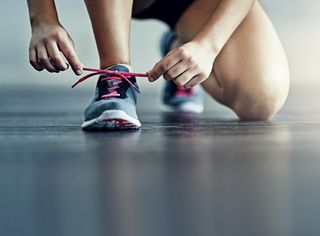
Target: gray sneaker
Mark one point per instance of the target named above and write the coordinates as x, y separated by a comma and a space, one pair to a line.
178, 98
114, 104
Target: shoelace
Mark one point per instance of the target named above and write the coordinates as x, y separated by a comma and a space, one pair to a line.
115, 76
182, 91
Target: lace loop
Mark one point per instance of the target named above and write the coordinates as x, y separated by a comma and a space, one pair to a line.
115, 76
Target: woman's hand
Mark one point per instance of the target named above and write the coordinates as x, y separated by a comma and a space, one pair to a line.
187, 65
47, 41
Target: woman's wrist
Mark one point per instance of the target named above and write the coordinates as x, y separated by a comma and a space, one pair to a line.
42, 12
208, 43
39, 21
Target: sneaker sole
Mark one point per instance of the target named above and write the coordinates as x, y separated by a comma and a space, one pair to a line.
112, 120
185, 107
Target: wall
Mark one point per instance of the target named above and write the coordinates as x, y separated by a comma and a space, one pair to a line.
296, 22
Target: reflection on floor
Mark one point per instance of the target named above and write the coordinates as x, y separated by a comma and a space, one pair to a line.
178, 175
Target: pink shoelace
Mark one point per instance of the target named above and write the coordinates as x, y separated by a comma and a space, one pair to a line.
114, 76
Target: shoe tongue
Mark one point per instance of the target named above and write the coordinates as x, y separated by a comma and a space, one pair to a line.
103, 86
114, 68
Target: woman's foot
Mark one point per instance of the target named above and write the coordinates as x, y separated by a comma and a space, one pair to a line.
178, 98
114, 104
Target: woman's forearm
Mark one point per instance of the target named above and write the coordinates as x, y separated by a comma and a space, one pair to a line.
42, 11
224, 21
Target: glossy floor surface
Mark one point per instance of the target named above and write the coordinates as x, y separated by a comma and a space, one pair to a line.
179, 175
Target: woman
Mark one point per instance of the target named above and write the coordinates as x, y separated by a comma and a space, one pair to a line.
229, 47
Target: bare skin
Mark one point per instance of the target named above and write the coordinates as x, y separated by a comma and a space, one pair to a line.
250, 74
111, 25
232, 49
49, 38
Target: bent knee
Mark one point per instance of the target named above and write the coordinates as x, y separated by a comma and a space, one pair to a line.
261, 100
256, 110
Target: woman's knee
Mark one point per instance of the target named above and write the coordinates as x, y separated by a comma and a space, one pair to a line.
260, 97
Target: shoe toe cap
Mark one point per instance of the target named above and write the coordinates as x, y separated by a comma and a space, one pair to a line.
95, 109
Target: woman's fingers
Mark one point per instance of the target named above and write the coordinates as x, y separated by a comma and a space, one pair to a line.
55, 56
68, 51
47, 44
162, 67
185, 77
175, 71
187, 65
33, 58
44, 60
177, 66
198, 79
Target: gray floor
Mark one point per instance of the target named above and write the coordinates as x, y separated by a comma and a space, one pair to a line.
180, 175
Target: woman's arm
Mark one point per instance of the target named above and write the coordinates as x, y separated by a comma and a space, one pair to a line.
192, 63
49, 38
225, 20
42, 11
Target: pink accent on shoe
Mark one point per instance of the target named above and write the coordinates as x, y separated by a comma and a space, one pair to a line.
120, 123
116, 76
182, 91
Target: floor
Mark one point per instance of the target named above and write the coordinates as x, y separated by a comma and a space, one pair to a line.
179, 175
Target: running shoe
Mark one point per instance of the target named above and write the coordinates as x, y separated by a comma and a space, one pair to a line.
114, 104
178, 98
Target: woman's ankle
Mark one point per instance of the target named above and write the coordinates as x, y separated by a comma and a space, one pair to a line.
106, 64
128, 66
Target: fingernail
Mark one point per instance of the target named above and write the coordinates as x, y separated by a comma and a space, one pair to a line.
67, 66
151, 79
78, 72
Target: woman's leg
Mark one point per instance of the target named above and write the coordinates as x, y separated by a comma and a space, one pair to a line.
110, 21
114, 104
251, 74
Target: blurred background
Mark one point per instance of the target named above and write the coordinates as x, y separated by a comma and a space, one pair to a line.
296, 22
220, 175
